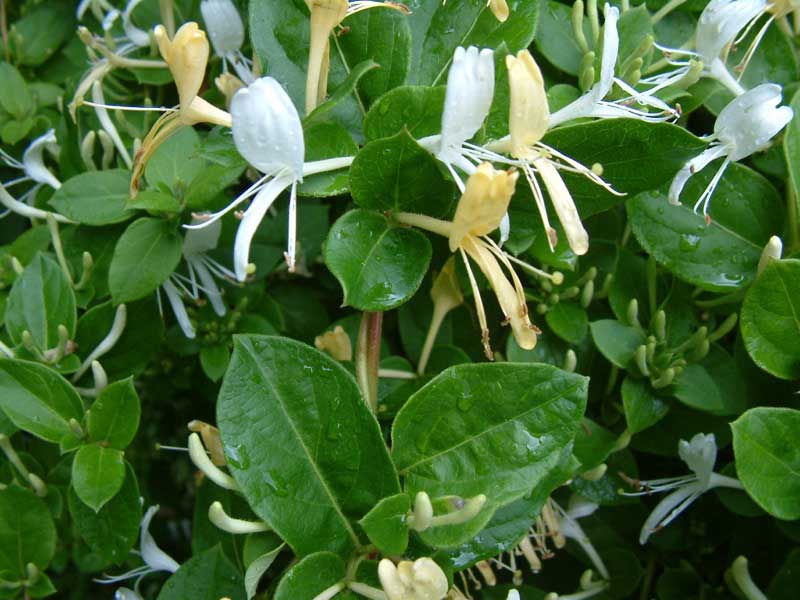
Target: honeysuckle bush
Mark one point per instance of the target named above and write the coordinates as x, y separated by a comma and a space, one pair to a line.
309, 299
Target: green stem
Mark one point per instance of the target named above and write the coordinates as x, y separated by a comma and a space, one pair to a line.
367, 359
794, 231
665, 10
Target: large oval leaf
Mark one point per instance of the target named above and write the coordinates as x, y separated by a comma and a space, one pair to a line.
493, 429
27, 532
302, 443
379, 265
768, 458
145, 256
723, 254
397, 174
771, 321
635, 156
95, 197
40, 301
207, 576
37, 399
97, 474
311, 576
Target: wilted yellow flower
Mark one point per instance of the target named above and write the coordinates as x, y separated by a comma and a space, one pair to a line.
211, 440
228, 84
336, 343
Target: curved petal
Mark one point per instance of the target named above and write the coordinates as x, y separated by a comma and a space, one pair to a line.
153, 556
33, 160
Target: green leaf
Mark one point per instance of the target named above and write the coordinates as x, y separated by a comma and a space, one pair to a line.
493, 429
145, 256
95, 197
791, 148
768, 458
214, 360
326, 140
719, 256
37, 399
385, 524
770, 323
37, 35
27, 532
138, 344
398, 174
311, 576
714, 386
617, 342
593, 444
643, 407
635, 156
97, 474
15, 99
153, 200
111, 532
416, 109
40, 301
114, 417
207, 576
176, 162
568, 321
379, 265
342, 92
555, 39
383, 36
301, 443
439, 29
257, 568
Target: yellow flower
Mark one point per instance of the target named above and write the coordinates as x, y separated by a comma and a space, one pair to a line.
528, 121
500, 9
186, 55
422, 579
326, 15
480, 210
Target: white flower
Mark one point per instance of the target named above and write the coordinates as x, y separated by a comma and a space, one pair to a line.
746, 125
155, 559
203, 271
124, 593
421, 580
717, 29
268, 133
591, 104
33, 170
568, 526
513, 595
226, 31
468, 99
699, 454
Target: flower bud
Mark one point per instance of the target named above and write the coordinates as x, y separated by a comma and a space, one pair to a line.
772, 251
421, 580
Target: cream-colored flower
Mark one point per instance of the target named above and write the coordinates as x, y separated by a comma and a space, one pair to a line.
422, 579
326, 15
480, 211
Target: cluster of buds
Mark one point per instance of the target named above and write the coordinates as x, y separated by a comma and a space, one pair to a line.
662, 362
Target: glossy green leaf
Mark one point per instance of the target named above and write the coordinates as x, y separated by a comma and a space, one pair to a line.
397, 174
493, 429
378, 264
555, 39
95, 197
593, 444
714, 386
257, 568
770, 323
145, 256
311, 576
643, 407
176, 162
114, 416
214, 360
385, 524
301, 443
111, 532
417, 109
37, 399
326, 140
568, 321
791, 148
16, 98
438, 29
723, 254
635, 156
97, 474
617, 342
27, 531
768, 458
41, 300
207, 576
